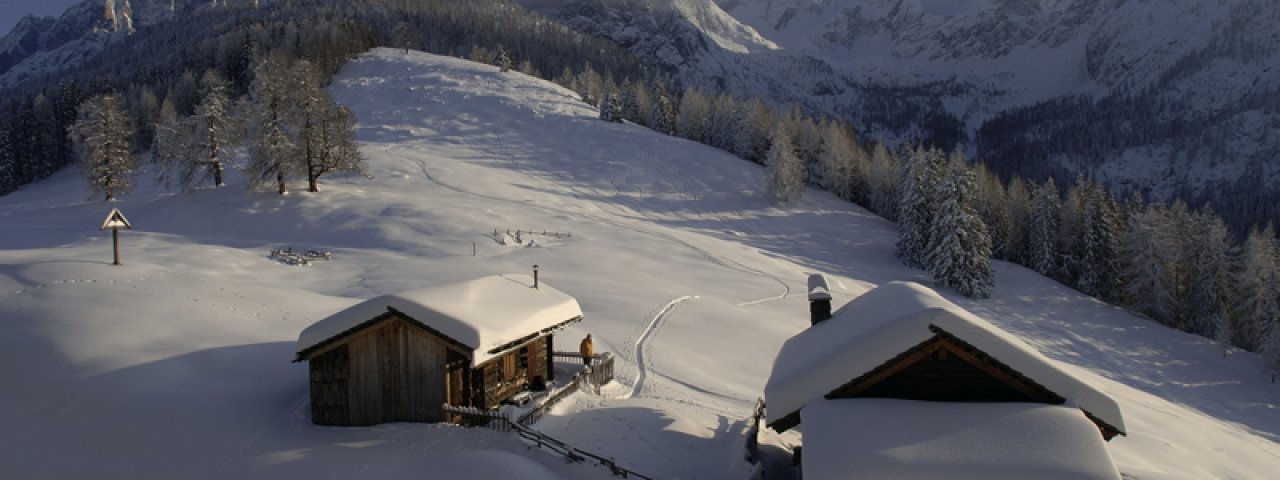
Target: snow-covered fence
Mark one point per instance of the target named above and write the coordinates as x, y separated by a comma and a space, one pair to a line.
525, 237
301, 256
475, 417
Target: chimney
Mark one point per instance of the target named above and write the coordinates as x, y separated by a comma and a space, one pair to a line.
535, 276
819, 299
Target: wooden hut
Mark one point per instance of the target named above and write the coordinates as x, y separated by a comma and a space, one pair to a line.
400, 357
901, 383
904, 341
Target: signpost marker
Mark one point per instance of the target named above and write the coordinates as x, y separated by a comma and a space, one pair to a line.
115, 221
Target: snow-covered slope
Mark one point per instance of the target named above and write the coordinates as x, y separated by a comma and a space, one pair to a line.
177, 364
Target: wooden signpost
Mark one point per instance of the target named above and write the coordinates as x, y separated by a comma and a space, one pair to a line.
115, 221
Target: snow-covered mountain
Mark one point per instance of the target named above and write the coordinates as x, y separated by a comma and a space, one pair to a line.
1162, 79
176, 364
44, 44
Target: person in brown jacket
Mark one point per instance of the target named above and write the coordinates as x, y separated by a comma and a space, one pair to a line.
586, 349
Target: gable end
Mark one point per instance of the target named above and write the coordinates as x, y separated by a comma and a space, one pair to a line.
946, 369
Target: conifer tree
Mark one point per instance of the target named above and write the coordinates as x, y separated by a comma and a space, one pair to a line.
917, 204
1098, 270
103, 139
503, 60
1209, 275
1043, 237
959, 247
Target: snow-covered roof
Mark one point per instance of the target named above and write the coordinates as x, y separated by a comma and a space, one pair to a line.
888, 320
485, 314
908, 439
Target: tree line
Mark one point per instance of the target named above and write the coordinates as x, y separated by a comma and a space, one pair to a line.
1177, 266
164, 64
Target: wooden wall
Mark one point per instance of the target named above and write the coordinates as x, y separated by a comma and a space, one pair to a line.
945, 370
530, 360
394, 371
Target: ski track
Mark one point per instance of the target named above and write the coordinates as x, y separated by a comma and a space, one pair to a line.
642, 361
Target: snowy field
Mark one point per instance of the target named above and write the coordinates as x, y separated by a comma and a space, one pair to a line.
177, 364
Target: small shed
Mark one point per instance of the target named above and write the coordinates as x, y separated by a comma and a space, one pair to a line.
400, 357
904, 341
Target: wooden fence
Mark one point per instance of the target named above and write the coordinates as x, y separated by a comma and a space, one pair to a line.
500, 422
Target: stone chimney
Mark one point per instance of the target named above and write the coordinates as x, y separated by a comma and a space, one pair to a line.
819, 299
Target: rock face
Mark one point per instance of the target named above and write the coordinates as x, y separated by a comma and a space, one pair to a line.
1157, 82
81, 24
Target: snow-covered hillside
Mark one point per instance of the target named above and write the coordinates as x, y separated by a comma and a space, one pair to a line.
177, 364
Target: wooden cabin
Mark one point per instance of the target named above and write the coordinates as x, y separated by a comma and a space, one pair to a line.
904, 341
901, 367
398, 358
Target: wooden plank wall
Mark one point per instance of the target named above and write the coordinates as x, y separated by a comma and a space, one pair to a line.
329, 390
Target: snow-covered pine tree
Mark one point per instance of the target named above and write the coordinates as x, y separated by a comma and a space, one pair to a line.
1257, 283
1043, 236
784, 173
917, 202
1271, 352
103, 139
503, 60
1098, 272
958, 252
609, 108
1209, 275
1147, 272
662, 113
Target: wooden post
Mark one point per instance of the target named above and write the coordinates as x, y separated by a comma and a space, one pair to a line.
115, 245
